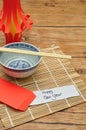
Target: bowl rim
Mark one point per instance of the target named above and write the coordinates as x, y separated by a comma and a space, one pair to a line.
25, 69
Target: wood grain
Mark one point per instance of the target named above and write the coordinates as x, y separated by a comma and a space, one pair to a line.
63, 23
56, 12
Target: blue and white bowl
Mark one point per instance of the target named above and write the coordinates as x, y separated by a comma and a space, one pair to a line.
19, 65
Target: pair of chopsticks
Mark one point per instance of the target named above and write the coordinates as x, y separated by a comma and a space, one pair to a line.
27, 52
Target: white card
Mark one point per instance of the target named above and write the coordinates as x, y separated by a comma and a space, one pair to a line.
57, 93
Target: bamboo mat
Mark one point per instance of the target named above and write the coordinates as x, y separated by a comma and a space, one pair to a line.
51, 72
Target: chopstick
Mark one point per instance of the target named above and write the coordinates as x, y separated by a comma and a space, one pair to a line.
27, 52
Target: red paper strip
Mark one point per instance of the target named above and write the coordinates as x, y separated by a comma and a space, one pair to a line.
15, 96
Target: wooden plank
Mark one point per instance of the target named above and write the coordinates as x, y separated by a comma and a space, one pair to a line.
56, 12
64, 36
71, 40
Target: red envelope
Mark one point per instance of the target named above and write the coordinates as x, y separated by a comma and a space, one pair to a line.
15, 96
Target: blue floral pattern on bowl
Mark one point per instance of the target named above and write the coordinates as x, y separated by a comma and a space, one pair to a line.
19, 64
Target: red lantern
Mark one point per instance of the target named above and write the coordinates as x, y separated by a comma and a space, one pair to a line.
13, 20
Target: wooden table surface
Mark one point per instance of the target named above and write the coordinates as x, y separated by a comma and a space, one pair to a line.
63, 23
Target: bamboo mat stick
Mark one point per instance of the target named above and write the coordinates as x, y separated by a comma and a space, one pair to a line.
27, 52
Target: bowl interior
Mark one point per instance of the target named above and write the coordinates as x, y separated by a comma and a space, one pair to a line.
19, 61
